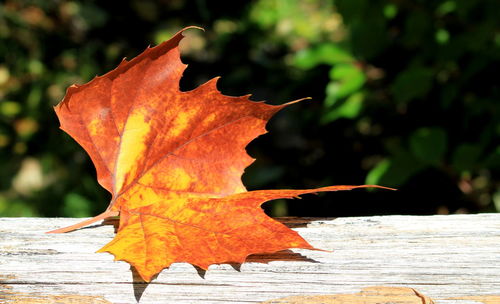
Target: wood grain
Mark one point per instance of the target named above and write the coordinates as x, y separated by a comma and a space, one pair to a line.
442, 257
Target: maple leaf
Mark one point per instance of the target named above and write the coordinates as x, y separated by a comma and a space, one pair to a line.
173, 162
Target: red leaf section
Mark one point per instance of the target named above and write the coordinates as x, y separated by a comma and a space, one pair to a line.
173, 162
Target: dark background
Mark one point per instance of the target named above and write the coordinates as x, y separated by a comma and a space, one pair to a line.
404, 94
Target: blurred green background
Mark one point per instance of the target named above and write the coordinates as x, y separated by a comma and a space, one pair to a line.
405, 94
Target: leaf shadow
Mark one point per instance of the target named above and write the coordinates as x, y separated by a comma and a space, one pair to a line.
298, 222
201, 272
266, 258
139, 285
115, 221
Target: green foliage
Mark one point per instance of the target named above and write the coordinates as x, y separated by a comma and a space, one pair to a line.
324, 53
426, 148
412, 83
76, 205
428, 145
395, 171
406, 93
422, 64
466, 157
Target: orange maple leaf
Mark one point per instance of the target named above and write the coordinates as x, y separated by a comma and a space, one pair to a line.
173, 162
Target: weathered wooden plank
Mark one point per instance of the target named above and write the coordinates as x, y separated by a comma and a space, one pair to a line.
440, 256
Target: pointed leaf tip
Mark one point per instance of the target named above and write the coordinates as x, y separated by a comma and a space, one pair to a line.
192, 27
297, 101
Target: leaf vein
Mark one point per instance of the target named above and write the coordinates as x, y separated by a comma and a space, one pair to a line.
176, 149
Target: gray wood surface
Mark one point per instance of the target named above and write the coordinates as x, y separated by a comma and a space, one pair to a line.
440, 256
